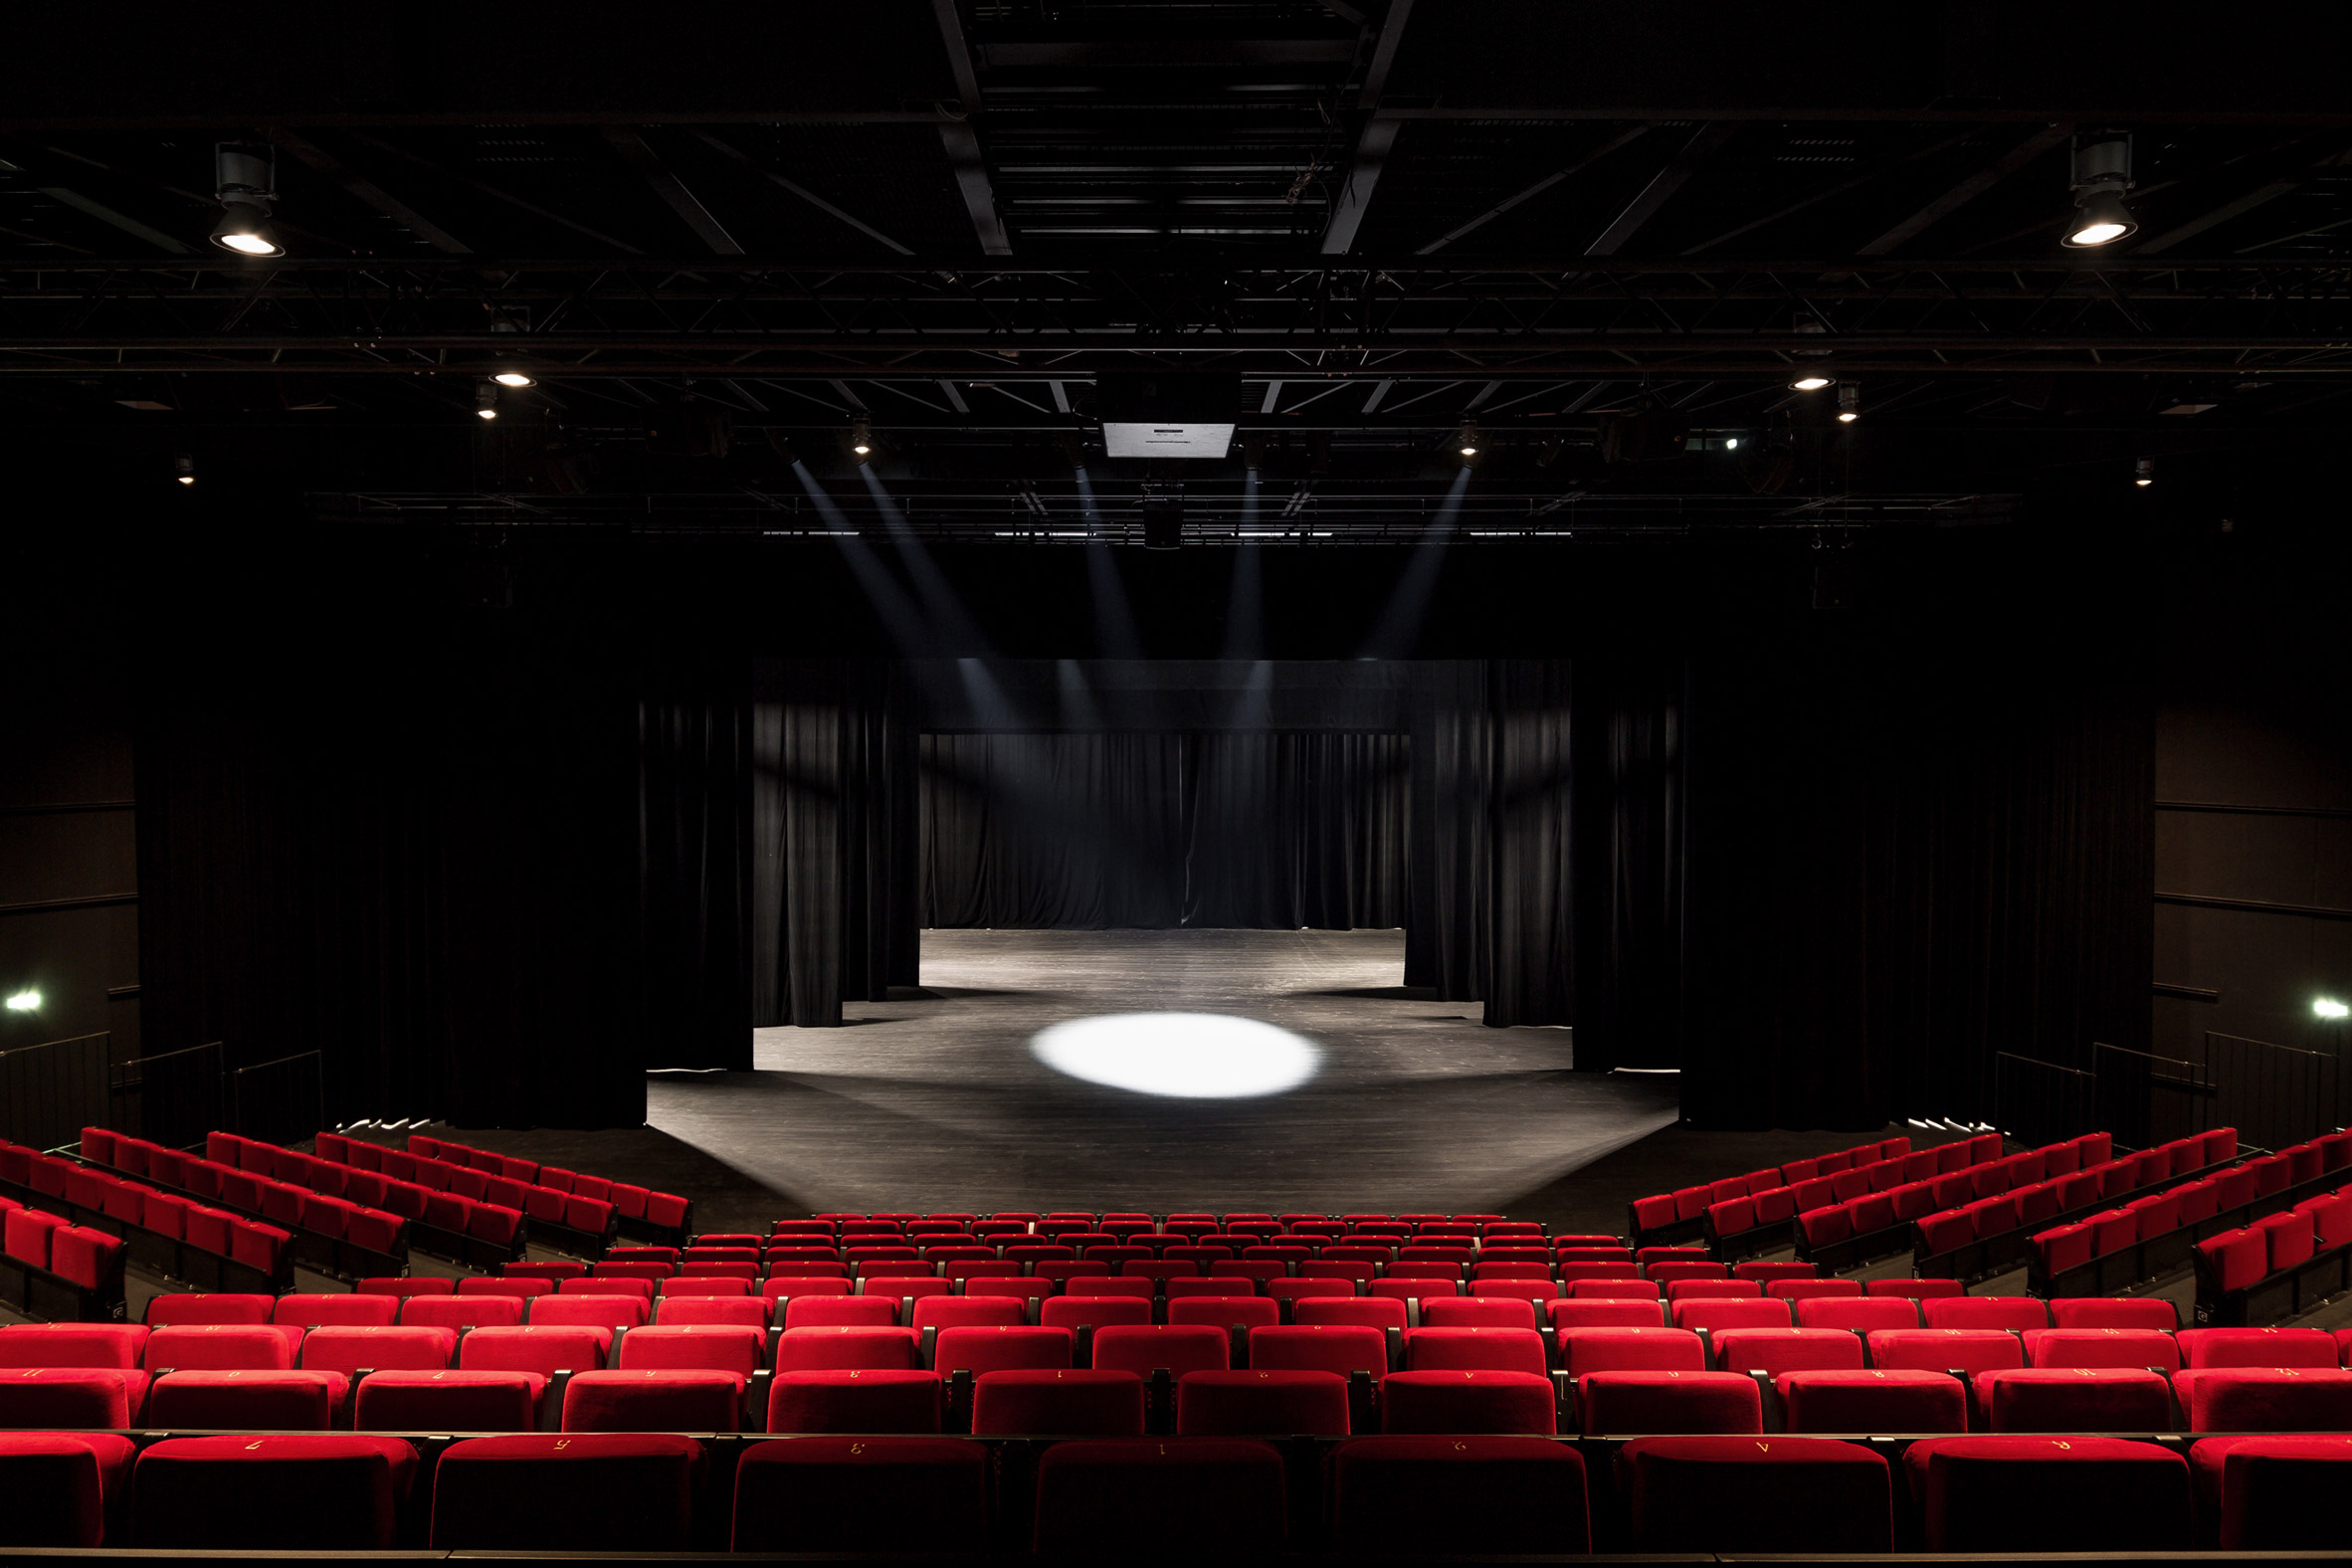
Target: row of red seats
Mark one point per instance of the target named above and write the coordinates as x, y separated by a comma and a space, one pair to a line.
405, 1193
2243, 1259
255, 1244
1955, 1227
661, 1210
1662, 1212
2182, 1208
1992, 1197
270, 1188
1191, 1227
76, 1253
544, 1203
1210, 1496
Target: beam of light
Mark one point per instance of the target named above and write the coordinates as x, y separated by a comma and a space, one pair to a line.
906, 627
1115, 632
1179, 1056
1399, 625
1078, 701
1245, 605
957, 628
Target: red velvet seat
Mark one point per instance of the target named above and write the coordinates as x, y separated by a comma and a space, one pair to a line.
1600, 1314
832, 1494
2049, 1494
323, 1492
1718, 1316
979, 1350
1468, 1401
1584, 1350
1182, 1494
828, 1312
1865, 1314
849, 1349
2078, 1399
1475, 1350
595, 1311
1340, 1349
181, 1307
516, 1286
61, 1488
118, 1346
1696, 1401
2018, 1313
1177, 1348
408, 1286
1059, 1402
219, 1348
542, 1350
2093, 1312
247, 1401
2102, 1347
1097, 1311
1442, 1497
1777, 1350
697, 1347
1755, 1494
663, 1400
1262, 1403
983, 1311
2265, 1399
1945, 1349
1874, 1400
2271, 1493
2256, 1347
1914, 1289
461, 1312
348, 1350
398, 1401
854, 1400
1483, 1312
594, 1491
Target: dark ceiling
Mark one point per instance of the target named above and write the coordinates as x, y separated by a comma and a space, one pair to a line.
718, 235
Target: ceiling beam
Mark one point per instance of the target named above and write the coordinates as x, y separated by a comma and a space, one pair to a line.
1969, 189
640, 155
375, 195
728, 150
1534, 190
961, 142
495, 193
1374, 142
1662, 187
118, 219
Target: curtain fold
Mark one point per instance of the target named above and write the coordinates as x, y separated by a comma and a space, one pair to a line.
1265, 830
1630, 873
1530, 973
693, 860
833, 821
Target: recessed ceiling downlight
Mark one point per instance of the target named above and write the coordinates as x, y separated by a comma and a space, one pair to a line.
1179, 1056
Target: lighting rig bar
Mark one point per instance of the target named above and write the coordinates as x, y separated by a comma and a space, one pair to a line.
737, 317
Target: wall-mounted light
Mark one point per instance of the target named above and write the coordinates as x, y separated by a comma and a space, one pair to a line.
2325, 1006
25, 1001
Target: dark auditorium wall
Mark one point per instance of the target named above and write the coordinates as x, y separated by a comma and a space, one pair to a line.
2254, 837
69, 873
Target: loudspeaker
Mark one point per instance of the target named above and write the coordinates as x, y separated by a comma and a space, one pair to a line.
1164, 521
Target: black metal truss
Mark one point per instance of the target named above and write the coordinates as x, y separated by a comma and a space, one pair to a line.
1304, 322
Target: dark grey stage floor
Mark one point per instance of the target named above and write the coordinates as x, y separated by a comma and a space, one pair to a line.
936, 1101
933, 1100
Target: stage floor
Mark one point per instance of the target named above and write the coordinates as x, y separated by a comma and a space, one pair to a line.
934, 1101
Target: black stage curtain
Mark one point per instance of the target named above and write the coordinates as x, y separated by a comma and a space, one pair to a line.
695, 868
833, 836
1453, 741
1630, 843
1254, 829
1532, 956
414, 856
1899, 868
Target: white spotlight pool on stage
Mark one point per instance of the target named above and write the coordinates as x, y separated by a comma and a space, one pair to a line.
1182, 1055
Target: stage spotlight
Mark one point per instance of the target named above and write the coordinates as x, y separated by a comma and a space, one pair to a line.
2102, 173
1253, 452
781, 440
25, 1001
1465, 440
2144, 473
1179, 1056
2328, 1007
1731, 442
183, 468
486, 400
1849, 403
513, 378
862, 439
1809, 383
1163, 520
245, 182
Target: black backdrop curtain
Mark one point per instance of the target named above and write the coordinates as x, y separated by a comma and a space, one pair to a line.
1901, 867
1630, 844
833, 863
694, 853
412, 854
1266, 830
